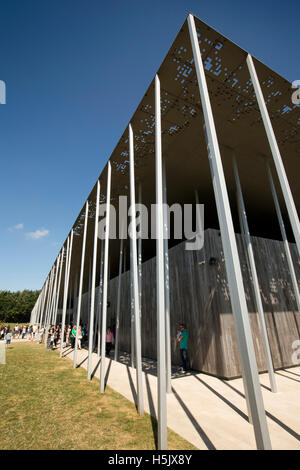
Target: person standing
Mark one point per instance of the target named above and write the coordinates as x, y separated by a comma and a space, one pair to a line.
183, 344
79, 332
8, 338
109, 340
68, 335
41, 334
73, 336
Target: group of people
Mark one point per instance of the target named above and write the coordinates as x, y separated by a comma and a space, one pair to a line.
35, 332
18, 332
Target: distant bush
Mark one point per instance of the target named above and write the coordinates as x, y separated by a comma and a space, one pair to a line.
16, 307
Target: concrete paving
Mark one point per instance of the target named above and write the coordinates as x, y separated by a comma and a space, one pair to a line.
209, 412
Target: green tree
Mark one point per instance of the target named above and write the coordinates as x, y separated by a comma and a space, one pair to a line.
16, 307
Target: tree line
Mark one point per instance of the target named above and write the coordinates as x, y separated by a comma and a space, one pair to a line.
15, 307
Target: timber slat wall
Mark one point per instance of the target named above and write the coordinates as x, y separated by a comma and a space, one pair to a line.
199, 296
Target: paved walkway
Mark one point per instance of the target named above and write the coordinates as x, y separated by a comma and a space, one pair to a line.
209, 412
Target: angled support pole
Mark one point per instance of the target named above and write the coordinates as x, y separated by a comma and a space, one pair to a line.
285, 187
136, 300
66, 288
49, 305
258, 300
160, 279
233, 269
54, 290
119, 300
100, 297
105, 280
139, 252
59, 283
167, 279
132, 349
284, 238
45, 292
86, 216
92, 307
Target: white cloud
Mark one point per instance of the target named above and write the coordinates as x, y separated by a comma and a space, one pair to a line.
40, 233
16, 227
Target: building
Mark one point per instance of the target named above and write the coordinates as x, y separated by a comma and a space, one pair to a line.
216, 125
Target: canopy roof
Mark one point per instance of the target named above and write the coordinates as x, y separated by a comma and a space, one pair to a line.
239, 128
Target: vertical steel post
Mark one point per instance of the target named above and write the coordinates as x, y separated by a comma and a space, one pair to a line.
167, 279
54, 291
59, 283
42, 317
67, 277
100, 298
75, 300
92, 307
259, 306
105, 272
137, 319
81, 281
160, 280
285, 187
132, 351
119, 301
233, 269
285, 240
49, 304
139, 254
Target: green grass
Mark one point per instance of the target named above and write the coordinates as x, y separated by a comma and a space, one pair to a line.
46, 404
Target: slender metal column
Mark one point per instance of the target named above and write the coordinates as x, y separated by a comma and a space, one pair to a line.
54, 291
105, 272
43, 303
67, 277
69, 303
81, 281
160, 280
89, 293
100, 298
139, 254
286, 190
59, 283
49, 304
65, 295
132, 352
38, 313
167, 280
234, 274
119, 301
50, 295
284, 238
92, 308
137, 319
259, 306
75, 300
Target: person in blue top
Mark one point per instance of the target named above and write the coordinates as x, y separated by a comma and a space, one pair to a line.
183, 344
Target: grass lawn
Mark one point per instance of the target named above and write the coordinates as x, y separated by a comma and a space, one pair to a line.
46, 404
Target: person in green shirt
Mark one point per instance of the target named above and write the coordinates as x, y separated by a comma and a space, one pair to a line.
183, 344
73, 336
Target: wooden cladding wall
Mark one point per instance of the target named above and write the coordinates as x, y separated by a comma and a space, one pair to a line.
199, 297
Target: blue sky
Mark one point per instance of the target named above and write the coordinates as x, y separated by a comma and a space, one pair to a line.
75, 70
